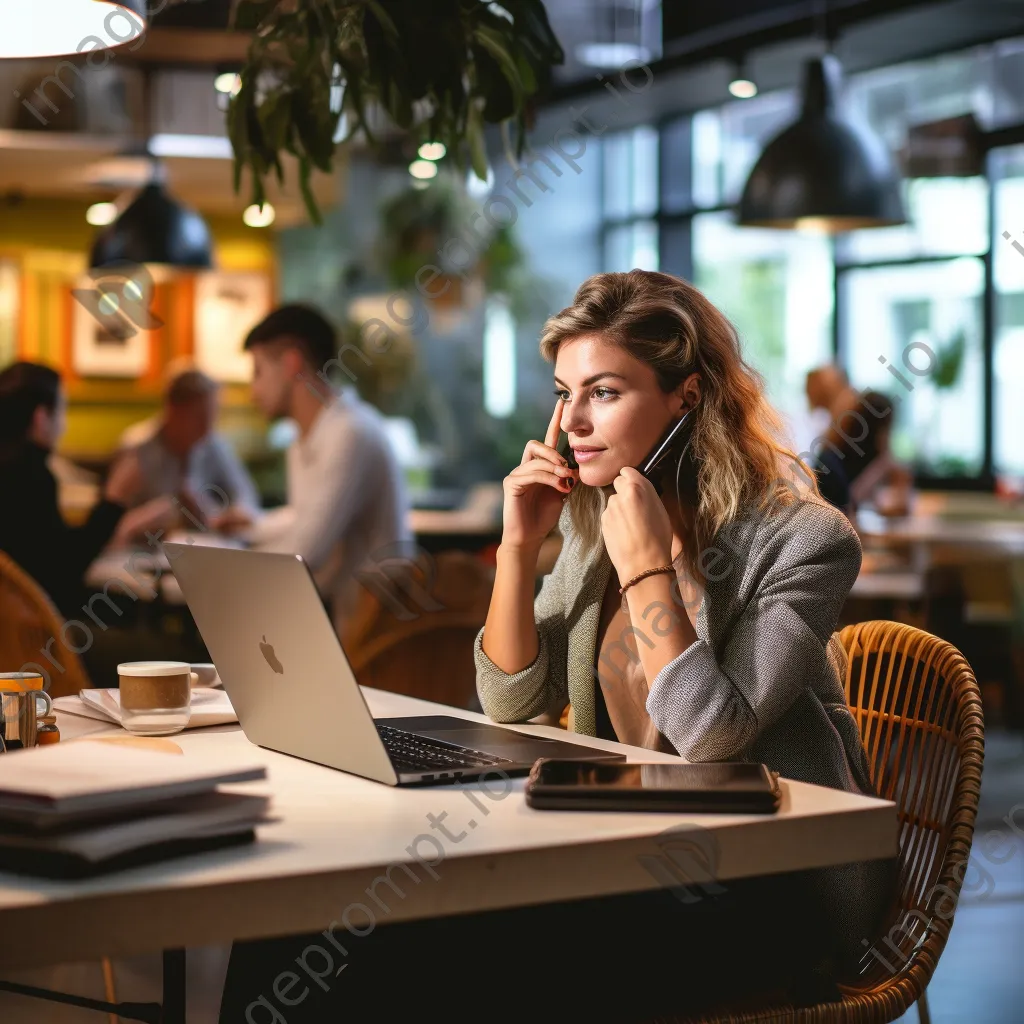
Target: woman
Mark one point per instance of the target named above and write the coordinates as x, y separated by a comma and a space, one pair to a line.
693, 613
32, 530
735, 637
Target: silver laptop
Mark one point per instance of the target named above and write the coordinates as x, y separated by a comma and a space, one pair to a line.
281, 663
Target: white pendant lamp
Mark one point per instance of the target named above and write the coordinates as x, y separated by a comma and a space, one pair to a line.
63, 28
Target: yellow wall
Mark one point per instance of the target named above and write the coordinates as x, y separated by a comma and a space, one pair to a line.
48, 241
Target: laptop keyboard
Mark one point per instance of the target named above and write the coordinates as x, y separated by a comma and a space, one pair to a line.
412, 753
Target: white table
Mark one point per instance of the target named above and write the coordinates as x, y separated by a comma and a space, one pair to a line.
921, 533
338, 833
890, 586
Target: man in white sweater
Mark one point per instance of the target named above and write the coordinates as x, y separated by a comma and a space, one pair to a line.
346, 501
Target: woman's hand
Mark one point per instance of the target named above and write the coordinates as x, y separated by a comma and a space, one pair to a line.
535, 490
637, 530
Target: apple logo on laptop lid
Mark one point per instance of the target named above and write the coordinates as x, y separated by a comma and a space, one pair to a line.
267, 650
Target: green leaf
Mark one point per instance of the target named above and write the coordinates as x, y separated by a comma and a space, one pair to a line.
275, 118
305, 173
532, 24
499, 99
477, 148
470, 63
496, 47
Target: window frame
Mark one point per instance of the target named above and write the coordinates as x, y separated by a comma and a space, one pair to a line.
682, 218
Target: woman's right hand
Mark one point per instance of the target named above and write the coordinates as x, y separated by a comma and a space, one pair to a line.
536, 489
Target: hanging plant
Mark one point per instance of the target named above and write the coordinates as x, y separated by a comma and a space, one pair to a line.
440, 70
417, 229
417, 222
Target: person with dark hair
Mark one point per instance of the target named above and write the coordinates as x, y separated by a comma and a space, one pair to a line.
191, 474
32, 530
855, 464
346, 499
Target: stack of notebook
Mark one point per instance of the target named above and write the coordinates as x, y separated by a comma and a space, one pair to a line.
82, 808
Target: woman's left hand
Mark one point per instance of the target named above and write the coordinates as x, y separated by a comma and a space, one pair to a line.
637, 531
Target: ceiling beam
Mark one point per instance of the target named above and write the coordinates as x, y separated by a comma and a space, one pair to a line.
192, 47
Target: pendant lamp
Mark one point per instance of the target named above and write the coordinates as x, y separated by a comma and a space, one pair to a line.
62, 28
155, 229
823, 172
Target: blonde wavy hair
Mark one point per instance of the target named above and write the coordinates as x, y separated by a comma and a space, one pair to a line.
737, 442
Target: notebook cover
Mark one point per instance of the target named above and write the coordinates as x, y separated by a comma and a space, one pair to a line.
65, 867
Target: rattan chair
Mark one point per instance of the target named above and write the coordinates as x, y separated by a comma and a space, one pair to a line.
416, 637
30, 633
918, 707
28, 622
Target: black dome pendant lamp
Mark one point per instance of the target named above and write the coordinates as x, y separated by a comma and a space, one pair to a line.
823, 172
155, 228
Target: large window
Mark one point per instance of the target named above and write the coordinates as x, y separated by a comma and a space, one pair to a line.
1008, 272
776, 288
916, 335
911, 303
629, 187
911, 300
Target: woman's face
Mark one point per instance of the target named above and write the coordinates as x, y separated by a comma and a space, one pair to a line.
614, 411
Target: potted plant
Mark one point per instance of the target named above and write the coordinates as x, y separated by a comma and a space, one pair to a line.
944, 377
415, 224
439, 70
418, 224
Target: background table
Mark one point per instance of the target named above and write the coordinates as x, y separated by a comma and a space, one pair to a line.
339, 835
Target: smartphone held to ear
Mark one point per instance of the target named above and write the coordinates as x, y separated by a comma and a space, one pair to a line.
672, 444
565, 450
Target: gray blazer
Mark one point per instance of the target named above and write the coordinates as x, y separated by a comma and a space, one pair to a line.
762, 683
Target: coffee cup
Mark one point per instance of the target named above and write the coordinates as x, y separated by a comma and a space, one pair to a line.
156, 696
21, 712
21, 681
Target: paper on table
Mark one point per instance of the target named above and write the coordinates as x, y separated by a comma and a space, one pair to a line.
209, 706
73, 777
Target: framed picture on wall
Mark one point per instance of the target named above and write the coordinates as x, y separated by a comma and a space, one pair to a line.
228, 304
106, 341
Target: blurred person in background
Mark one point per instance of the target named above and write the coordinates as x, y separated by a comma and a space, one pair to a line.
190, 473
32, 530
829, 395
857, 467
346, 497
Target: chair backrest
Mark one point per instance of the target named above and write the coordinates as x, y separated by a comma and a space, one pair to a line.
414, 629
30, 633
918, 707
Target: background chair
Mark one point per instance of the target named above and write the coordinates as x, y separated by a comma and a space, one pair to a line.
918, 707
28, 622
414, 630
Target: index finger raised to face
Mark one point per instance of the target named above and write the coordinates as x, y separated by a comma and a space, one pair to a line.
555, 426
